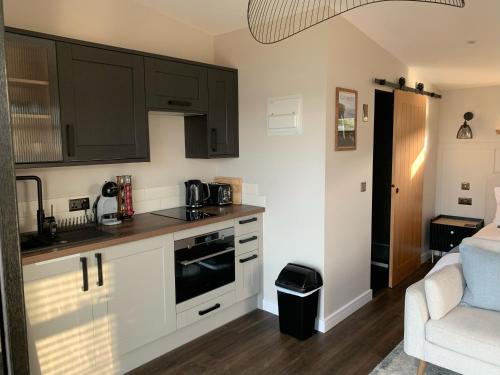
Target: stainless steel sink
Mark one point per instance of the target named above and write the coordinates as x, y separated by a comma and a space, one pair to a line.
34, 242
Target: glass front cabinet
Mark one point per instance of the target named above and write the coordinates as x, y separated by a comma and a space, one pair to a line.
33, 99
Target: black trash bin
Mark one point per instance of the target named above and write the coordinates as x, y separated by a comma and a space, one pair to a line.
298, 292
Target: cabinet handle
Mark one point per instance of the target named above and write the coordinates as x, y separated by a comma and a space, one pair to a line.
180, 103
451, 232
70, 140
85, 274
249, 239
213, 139
255, 256
247, 221
210, 309
100, 279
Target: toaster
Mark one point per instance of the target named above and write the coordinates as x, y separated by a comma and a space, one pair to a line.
220, 194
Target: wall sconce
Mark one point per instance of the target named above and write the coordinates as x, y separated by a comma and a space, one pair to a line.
465, 132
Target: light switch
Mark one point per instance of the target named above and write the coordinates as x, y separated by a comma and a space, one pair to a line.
465, 201
465, 185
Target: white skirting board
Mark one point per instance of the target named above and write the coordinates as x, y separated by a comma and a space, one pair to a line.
426, 255
326, 324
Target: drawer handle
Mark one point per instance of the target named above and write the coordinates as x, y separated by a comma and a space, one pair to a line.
210, 309
180, 103
451, 232
255, 256
85, 274
249, 239
100, 279
247, 221
213, 139
70, 140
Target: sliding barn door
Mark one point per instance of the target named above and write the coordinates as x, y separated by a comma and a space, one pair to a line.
407, 185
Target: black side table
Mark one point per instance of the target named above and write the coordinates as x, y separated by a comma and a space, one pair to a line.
447, 232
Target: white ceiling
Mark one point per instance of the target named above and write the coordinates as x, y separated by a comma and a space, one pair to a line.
214, 17
431, 38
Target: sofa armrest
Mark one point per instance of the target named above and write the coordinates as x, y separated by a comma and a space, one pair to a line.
416, 316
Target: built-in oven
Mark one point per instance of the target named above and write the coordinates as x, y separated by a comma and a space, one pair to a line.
203, 263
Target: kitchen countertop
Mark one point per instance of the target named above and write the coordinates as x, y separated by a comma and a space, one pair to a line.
142, 226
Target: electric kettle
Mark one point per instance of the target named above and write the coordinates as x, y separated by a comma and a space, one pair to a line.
197, 193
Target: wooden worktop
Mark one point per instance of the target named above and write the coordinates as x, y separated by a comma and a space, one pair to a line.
142, 226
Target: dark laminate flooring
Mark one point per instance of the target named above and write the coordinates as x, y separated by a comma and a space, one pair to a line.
253, 344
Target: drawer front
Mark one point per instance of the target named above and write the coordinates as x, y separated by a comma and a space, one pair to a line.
446, 237
204, 310
246, 225
247, 243
176, 86
247, 275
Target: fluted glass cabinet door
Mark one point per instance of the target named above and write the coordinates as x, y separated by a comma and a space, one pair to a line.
33, 99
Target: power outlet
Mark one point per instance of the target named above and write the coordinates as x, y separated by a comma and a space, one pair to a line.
79, 204
465, 201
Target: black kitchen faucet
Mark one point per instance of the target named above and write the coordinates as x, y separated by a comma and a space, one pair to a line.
43, 224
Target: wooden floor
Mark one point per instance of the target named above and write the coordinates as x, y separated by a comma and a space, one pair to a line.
253, 344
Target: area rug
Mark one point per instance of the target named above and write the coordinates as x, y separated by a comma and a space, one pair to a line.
399, 363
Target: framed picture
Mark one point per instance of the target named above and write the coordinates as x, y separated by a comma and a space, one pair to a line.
346, 114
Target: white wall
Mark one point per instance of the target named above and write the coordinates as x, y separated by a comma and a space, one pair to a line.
315, 212
119, 23
129, 25
156, 185
288, 169
354, 61
467, 160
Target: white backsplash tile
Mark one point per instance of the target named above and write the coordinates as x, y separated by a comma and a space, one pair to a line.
144, 200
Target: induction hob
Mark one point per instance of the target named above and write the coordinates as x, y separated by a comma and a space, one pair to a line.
184, 213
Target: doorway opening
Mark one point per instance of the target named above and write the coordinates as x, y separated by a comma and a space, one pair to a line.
382, 181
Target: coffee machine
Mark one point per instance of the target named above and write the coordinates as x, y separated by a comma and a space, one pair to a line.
106, 205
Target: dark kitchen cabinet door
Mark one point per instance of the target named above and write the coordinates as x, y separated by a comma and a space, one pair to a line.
103, 109
33, 99
216, 134
175, 86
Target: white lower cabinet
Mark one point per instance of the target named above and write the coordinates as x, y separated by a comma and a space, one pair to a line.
59, 317
205, 310
247, 275
136, 303
128, 301
87, 313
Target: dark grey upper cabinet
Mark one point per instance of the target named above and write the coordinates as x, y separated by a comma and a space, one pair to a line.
103, 109
215, 135
33, 99
176, 86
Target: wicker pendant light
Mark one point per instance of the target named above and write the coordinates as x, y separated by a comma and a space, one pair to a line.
271, 21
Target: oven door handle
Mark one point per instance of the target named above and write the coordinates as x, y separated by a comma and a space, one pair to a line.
188, 262
221, 238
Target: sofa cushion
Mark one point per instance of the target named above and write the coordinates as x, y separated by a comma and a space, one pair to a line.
444, 290
482, 275
469, 331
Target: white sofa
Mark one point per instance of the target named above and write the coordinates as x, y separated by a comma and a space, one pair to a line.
465, 340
